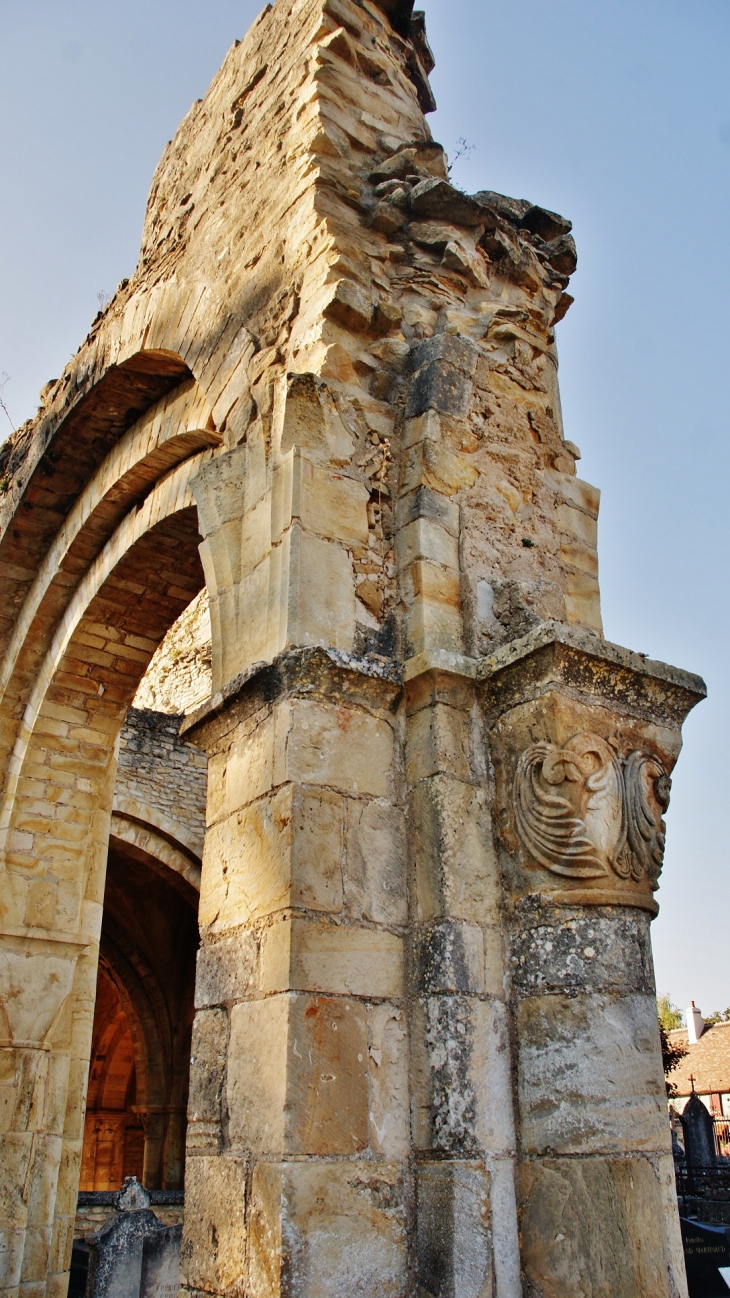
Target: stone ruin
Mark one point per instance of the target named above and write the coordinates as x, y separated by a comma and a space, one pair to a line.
425, 1056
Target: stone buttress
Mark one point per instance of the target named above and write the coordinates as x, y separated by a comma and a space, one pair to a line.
425, 1056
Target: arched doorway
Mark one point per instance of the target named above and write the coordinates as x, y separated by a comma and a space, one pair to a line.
138, 1073
113, 1131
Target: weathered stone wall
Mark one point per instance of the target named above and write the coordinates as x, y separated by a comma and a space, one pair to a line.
156, 770
425, 762
178, 678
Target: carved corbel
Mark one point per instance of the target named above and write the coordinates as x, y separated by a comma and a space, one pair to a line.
583, 736
586, 812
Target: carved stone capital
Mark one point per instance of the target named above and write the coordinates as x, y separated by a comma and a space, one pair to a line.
583, 737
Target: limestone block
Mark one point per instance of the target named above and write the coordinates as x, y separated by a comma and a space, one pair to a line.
244, 773
320, 593
220, 490
575, 492
282, 495
425, 539
454, 1247
350, 307
578, 524
388, 1065
590, 1075
316, 851
11, 1258
437, 742
583, 601
208, 1054
56, 1084
297, 1075
344, 747
596, 950
425, 503
505, 1227
450, 958
439, 386
619, 1205
284, 850
322, 1229
333, 506
457, 873
431, 582
40, 1188
214, 1230
462, 1085
435, 426
299, 955
312, 421
245, 866
433, 625
226, 970
33, 986
430, 464
376, 862
75, 1099
17, 1155
244, 613
255, 535
582, 557
36, 1256
436, 198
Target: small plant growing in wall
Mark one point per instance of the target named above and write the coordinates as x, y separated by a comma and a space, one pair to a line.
5, 378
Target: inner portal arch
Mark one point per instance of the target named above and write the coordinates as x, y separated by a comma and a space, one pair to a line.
56, 822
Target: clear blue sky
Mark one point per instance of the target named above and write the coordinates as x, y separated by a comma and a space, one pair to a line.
616, 114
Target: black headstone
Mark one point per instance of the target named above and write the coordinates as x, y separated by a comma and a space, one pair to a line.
699, 1134
705, 1251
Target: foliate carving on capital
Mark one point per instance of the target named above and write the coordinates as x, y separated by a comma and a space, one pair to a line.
585, 812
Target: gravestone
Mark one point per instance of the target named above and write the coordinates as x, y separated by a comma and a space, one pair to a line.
161, 1263
699, 1134
706, 1258
117, 1251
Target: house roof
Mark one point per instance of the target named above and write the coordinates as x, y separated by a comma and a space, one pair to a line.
708, 1060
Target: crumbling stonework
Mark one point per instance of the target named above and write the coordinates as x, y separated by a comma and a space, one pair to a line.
157, 771
425, 1057
178, 678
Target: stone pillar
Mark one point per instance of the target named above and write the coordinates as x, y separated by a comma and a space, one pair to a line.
463, 1114
298, 1130
173, 1157
154, 1119
46, 1001
583, 737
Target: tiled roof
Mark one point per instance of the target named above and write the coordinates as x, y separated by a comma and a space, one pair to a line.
708, 1060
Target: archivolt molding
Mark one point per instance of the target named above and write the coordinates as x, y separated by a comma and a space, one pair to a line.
171, 495
173, 429
145, 839
135, 809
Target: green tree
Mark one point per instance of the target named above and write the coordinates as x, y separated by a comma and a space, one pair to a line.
720, 1016
671, 1055
669, 1016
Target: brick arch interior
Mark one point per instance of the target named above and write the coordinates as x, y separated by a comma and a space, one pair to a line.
113, 1131
138, 1073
